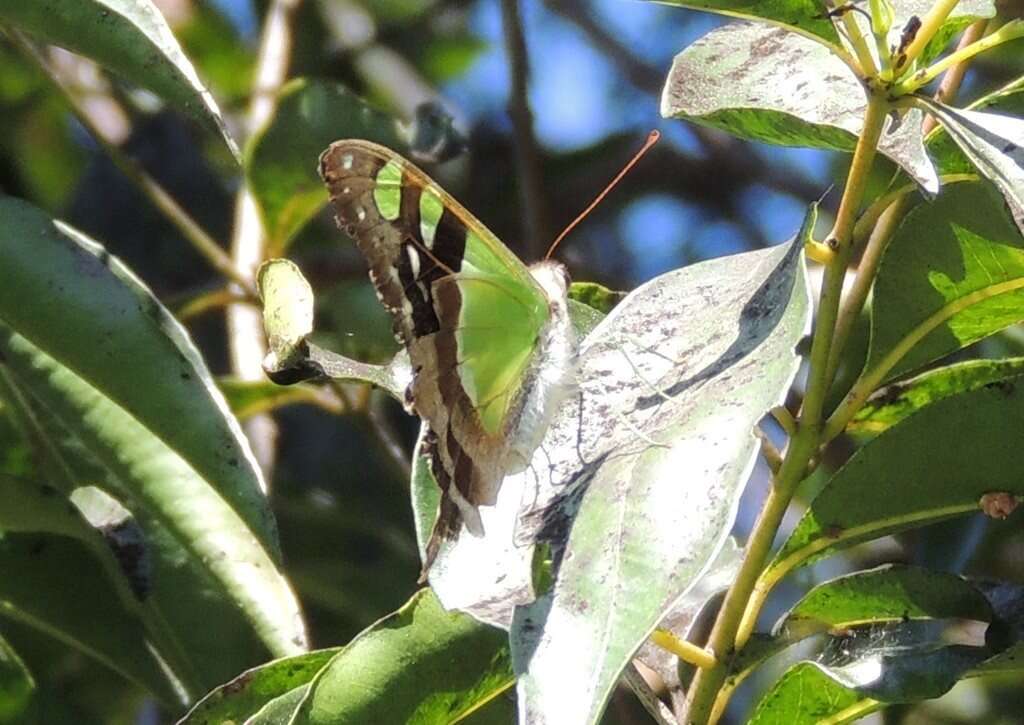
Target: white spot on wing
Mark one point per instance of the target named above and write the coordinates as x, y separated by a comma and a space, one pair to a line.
360, 213
414, 260
346, 162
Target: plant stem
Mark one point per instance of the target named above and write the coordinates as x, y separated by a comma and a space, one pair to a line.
882, 218
528, 159
150, 188
885, 213
865, 61
950, 84
888, 220
930, 25
686, 651
1011, 31
248, 244
727, 636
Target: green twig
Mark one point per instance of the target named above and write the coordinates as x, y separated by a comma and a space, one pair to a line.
1011, 31
865, 67
736, 619
930, 26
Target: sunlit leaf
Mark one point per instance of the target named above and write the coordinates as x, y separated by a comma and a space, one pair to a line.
419, 665
248, 693
777, 87
131, 38
897, 401
649, 462
952, 274
888, 593
805, 695
933, 465
106, 360
1009, 99
995, 145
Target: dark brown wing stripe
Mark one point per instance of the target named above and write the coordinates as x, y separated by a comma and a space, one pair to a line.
409, 278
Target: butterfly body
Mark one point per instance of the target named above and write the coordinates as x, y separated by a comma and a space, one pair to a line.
489, 339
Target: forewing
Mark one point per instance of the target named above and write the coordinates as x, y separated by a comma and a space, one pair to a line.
465, 307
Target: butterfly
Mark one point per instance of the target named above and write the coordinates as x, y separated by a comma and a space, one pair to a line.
489, 339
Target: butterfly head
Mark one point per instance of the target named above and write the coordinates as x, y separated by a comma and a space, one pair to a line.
553, 278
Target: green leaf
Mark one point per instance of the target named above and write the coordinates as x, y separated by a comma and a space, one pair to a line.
805, 695
891, 592
895, 402
248, 693
419, 665
809, 17
650, 462
995, 145
868, 672
223, 58
769, 85
130, 37
16, 684
93, 347
37, 567
595, 295
1007, 100
799, 16
933, 465
952, 275
280, 710
280, 160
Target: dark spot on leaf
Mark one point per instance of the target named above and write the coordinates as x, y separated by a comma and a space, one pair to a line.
37, 548
233, 462
238, 684
1005, 387
47, 490
185, 376
833, 531
1010, 148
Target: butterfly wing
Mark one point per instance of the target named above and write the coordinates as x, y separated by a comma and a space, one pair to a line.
468, 311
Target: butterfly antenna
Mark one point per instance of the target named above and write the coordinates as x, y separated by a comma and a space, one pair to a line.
652, 138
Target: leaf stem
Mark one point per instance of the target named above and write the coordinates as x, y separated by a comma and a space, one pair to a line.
151, 189
686, 651
865, 60
883, 216
930, 25
734, 624
1011, 31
